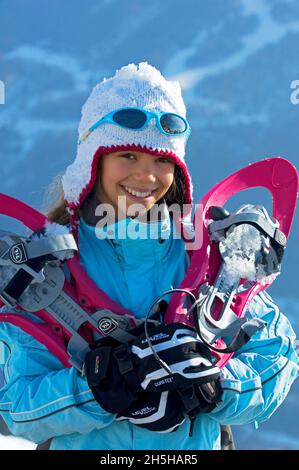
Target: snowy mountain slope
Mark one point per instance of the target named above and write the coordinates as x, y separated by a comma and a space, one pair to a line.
15, 443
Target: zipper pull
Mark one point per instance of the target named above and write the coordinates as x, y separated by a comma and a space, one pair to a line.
192, 422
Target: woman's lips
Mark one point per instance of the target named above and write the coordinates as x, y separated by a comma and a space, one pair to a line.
137, 198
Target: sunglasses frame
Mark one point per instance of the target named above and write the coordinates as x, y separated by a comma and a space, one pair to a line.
108, 119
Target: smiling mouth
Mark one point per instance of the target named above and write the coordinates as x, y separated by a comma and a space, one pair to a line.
137, 194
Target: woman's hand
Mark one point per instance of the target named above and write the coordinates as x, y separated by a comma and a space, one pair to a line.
175, 360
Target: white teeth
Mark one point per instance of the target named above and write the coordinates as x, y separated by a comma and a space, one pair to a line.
137, 193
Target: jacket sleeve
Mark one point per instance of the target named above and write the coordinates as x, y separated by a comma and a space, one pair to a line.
258, 378
39, 399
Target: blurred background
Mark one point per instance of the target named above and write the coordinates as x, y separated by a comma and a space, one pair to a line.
236, 61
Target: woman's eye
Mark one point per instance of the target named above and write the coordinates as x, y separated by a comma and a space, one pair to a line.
129, 156
164, 160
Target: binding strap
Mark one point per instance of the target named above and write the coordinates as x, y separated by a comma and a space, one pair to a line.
29, 257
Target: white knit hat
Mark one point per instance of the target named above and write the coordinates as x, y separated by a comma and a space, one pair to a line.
140, 86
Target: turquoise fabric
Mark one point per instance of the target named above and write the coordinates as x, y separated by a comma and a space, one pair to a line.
40, 399
134, 272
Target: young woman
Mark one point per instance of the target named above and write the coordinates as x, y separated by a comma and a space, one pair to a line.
131, 149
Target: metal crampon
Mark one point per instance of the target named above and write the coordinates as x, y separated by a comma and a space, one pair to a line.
251, 246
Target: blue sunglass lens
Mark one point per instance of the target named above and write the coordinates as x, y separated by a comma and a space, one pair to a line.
133, 118
173, 124
130, 118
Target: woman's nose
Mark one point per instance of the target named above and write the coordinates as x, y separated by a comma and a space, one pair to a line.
145, 172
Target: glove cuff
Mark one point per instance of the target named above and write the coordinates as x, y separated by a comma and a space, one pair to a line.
126, 367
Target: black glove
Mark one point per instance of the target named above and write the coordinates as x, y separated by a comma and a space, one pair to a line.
117, 373
159, 412
166, 411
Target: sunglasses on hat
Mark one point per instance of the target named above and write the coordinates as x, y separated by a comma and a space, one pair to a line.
137, 119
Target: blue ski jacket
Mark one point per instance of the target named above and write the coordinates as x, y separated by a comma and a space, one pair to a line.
40, 399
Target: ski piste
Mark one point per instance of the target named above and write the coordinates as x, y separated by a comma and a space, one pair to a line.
70, 314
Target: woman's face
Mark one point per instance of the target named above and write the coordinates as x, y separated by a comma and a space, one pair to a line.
140, 178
